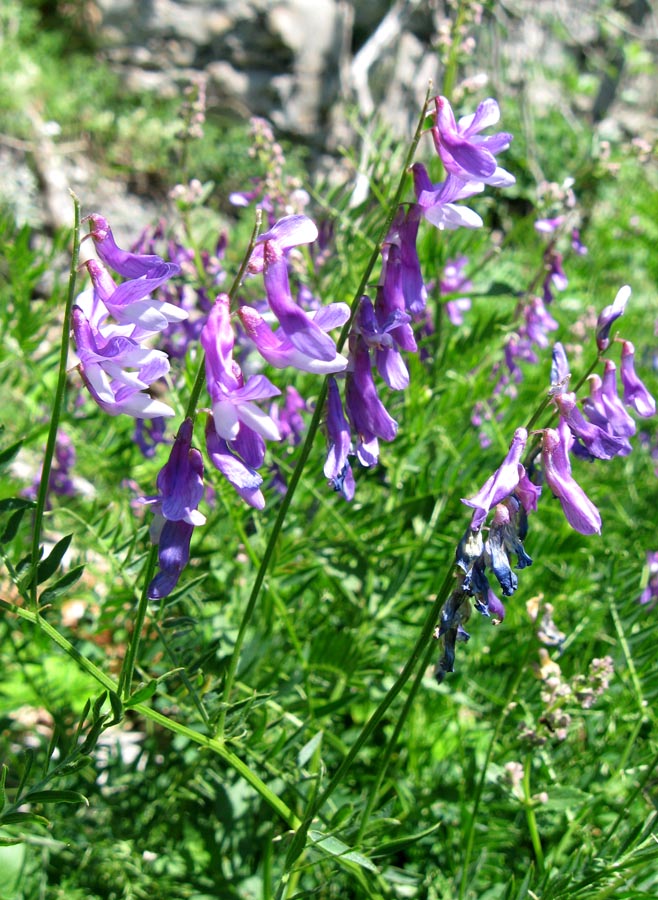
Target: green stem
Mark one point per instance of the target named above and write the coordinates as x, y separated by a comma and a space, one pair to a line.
419, 651
58, 402
470, 831
531, 819
216, 746
310, 434
128, 667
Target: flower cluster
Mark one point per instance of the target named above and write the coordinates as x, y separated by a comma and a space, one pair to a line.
382, 330
600, 430
113, 323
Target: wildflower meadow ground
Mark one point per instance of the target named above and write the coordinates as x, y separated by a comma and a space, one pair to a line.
328, 522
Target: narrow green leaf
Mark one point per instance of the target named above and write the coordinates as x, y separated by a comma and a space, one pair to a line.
9, 453
12, 526
11, 503
74, 766
55, 797
309, 749
117, 708
22, 818
3, 778
142, 694
9, 842
62, 585
335, 847
48, 566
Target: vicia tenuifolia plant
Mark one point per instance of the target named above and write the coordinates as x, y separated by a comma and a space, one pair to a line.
164, 302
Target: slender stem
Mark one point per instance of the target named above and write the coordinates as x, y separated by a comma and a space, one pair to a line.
216, 746
470, 839
531, 818
419, 651
128, 667
57, 404
312, 431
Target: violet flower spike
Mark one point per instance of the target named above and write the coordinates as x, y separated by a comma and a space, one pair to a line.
578, 509
609, 315
598, 441
635, 393
501, 484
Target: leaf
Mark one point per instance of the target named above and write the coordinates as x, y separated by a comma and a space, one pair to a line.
48, 566
142, 694
117, 708
9, 453
12, 526
55, 797
62, 585
22, 818
11, 503
75, 766
309, 749
3, 778
334, 847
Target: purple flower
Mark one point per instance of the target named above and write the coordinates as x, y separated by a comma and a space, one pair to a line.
288, 232
437, 201
104, 367
235, 437
127, 264
403, 235
464, 152
453, 279
379, 336
277, 348
597, 440
578, 509
131, 304
560, 373
365, 410
548, 226
635, 393
244, 478
180, 485
501, 484
609, 315
337, 468
233, 401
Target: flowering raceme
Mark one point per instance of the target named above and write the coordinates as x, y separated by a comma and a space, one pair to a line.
110, 324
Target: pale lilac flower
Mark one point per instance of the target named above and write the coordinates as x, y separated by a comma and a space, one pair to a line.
501, 484
635, 393
453, 279
437, 201
403, 234
127, 264
105, 368
578, 509
549, 226
465, 153
391, 304
609, 315
337, 468
288, 232
576, 244
620, 422
233, 401
560, 373
277, 348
